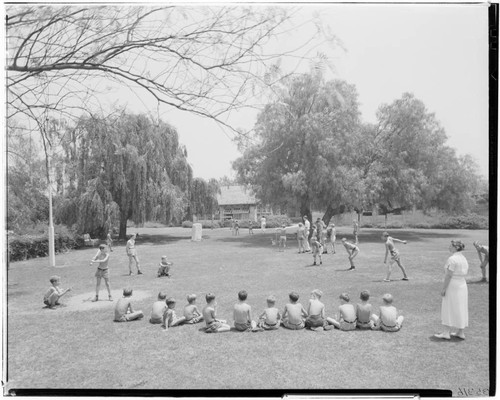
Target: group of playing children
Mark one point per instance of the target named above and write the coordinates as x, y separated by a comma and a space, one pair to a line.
294, 315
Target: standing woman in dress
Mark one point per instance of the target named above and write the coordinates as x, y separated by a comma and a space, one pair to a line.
454, 307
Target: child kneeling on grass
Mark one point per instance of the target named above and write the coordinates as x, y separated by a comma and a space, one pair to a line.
191, 312
388, 319
52, 296
209, 315
347, 315
123, 309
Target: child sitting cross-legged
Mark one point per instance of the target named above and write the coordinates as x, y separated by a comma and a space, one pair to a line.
123, 308
364, 312
170, 319
159, 308
271, 317
347, 315
388, 319
191, 313
316, 313
294, 313
209, 315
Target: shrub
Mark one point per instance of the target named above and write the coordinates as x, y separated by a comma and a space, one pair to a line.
469, 221
187, 224
209, 224
36, 244
274, 221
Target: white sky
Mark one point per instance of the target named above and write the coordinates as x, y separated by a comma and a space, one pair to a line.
437, 52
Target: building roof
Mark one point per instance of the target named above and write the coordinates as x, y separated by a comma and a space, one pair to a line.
232, 195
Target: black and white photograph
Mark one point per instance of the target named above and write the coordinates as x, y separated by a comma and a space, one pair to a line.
246, 198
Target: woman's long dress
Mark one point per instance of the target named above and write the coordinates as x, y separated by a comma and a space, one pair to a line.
454, 307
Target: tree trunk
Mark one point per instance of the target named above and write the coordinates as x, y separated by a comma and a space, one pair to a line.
330, 212
122, 234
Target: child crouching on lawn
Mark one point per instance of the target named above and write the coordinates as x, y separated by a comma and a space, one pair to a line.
294, 313
271, 317
347, 315
159, 308
209, 315
52, 296
316, 312
388, 319
170, 319
191, 313
164, 267
123, 309
242, 314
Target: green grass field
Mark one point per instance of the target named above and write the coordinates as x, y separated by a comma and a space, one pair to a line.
79, 345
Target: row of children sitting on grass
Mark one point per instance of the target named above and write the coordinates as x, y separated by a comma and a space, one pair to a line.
294, 316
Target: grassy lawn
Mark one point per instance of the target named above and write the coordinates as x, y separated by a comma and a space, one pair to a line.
79, 346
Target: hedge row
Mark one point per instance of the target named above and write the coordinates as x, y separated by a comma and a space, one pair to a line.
24, 247
469, 221
272, 221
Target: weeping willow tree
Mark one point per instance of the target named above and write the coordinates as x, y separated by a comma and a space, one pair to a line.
203, 197
123, 168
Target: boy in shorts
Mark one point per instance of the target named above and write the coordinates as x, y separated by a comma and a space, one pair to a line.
164, 267
242, 314
159, 308
347, 315
364, 311
123, 308
52, 296
271, 317
282, 238
101, 258
294, 314
191, 313
109, 241
352, 250
170, 318
388, 319
317, 249
132, 255
395, 258
214, 325
316, 313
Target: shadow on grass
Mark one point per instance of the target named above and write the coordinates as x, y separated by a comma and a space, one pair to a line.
477, 282
156, 240
452, 339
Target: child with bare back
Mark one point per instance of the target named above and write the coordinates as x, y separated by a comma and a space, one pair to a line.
191, 313
209, 315
364, 318
271, 317
317, 249
294, 313
347, 315
388, 319
242, 314
123, 308
352, 250
170, 318
316, 313
159, 308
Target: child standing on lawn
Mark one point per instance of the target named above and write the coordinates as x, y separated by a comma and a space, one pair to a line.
364, 311
164, 267
395, 258
331, 236
209, 315
52, 296
281, 238
132, 255
170, 318
388, 319
317, 249
352, 250
316, 312
123, 309
109, 241
250, 227
271, 317
159, 308
301, 237
242, 314
347, 315
101, 258
294, 314
191, 313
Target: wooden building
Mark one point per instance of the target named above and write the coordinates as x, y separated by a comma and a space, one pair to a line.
236, 202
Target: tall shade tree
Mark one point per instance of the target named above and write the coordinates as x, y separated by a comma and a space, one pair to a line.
205, 60
299, 156
125, 167
203, 197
